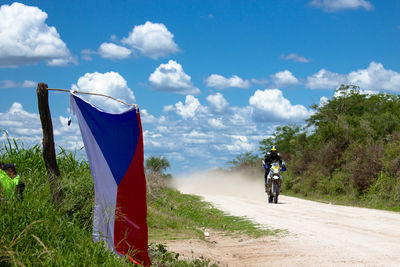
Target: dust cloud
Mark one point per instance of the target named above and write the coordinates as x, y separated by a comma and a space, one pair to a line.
220, 183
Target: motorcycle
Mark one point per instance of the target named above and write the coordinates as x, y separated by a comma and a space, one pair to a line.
274, 181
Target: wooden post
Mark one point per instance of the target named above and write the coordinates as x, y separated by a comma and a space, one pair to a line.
49, 153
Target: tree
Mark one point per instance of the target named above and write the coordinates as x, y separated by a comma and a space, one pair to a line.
157, 165
284, 138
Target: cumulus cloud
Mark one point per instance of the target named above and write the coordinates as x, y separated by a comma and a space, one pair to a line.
220, 82
170, 77
338, 5
374, 77
295, 58
270, 106
200, 136
14, 84
284, 78
325, 80
323, 101
113, 51
187, 110
25, 127
217, 102
238, 144
152, 40
20, 124
109, 83
26, 39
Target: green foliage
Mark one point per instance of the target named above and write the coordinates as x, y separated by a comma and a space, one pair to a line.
284, 138
350, 149
156, 165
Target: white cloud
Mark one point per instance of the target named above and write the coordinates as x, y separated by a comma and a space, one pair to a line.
325, 80
153, 40
26, 127
14, 84
207, 138
220, 82
26, 39
217, 102
374, 78
20, 124
113, 51
146, 117
196, 137
323, 101
270, 106
170, 77
295, 58
338, 5
187, 110
168, 108
109, 83
285, 78
216, 123
239, 144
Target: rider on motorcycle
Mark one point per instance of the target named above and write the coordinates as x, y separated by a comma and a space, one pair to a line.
271, 156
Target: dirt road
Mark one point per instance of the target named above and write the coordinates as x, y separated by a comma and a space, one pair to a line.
318, 234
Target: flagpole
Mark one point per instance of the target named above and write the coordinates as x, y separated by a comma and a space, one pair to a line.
49, 154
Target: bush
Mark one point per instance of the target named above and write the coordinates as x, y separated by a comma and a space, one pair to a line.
364, 164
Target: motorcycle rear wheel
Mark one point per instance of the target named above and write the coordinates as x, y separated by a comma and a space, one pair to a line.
270, 199
276, 193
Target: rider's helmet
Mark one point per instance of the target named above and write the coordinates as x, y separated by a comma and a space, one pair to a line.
274, 151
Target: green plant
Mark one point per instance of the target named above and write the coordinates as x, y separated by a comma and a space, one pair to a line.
156, 165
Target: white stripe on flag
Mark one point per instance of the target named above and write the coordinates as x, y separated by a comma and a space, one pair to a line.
104, 184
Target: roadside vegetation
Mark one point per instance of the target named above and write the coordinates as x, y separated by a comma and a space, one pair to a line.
349, 152
35, 233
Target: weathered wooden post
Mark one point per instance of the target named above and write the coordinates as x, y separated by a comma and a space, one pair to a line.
49, 153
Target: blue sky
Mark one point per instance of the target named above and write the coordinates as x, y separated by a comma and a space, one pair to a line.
212, 78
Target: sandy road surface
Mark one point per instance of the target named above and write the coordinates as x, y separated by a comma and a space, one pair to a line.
319, 234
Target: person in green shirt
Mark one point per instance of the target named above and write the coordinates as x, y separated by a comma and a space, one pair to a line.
13, 183
7, 186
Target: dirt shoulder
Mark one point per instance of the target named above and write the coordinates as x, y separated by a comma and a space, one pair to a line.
239, 250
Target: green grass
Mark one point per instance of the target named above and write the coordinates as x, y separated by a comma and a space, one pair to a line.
34, 233
172, 215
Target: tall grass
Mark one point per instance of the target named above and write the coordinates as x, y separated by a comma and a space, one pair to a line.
33, 232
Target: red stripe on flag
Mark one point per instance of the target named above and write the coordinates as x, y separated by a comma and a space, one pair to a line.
130, 227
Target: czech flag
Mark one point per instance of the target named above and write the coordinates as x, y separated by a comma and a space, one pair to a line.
114, 147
